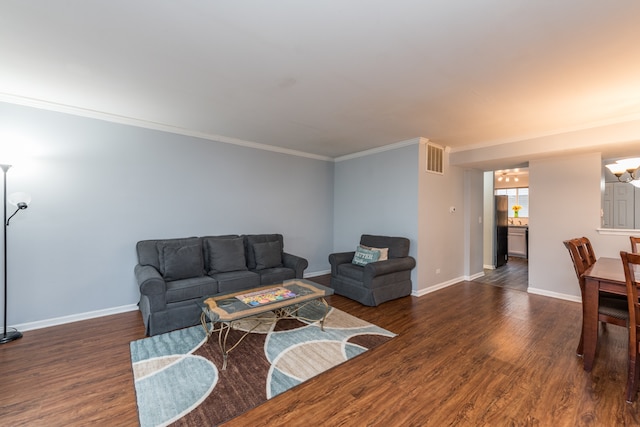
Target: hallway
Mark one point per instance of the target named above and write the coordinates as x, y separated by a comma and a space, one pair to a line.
513, 275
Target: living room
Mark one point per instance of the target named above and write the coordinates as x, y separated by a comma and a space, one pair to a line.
101, 181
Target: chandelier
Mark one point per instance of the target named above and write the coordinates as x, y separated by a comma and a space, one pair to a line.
626, 170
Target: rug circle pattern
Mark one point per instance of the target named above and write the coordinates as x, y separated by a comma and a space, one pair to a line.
178, 378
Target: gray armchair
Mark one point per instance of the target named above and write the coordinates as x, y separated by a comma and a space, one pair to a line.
375, 282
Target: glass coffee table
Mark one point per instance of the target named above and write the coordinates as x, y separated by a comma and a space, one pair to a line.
290, 299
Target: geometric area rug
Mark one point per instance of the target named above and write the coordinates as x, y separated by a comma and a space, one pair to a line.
179, 378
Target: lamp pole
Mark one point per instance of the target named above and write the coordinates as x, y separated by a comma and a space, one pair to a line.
13, 335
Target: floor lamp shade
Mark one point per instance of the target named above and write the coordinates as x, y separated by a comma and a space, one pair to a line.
21, 201
17, 199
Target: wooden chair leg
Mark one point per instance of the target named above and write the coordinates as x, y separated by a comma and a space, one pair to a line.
632, 378
580, 349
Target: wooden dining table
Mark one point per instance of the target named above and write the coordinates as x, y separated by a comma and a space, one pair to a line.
606, 275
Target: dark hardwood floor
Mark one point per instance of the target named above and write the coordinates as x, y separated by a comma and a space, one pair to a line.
469, 355
514, 275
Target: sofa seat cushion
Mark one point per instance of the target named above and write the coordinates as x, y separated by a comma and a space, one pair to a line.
270, 276
236, 280
180, 260
186, 289
225, 254
352, 271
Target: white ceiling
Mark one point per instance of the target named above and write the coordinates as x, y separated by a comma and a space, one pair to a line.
332, 77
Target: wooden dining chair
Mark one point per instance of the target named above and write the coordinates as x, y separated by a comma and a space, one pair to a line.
611, 308
631, 263
635, 244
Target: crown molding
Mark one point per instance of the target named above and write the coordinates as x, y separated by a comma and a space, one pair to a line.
131, 121
382, 149
557, 132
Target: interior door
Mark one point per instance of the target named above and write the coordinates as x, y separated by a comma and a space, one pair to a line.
623, 205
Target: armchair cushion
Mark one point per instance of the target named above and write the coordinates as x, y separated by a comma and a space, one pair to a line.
384, 252
225, 254
398, 246
352, 271
268, 255
180, 260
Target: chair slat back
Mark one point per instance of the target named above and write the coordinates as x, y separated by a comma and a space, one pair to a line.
582, 256
631, 263
635, 244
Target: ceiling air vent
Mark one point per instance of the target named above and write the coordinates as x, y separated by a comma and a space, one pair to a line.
435, 158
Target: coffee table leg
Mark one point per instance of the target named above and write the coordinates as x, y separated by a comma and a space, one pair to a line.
203, 321
222, 342
223, 335
326, 311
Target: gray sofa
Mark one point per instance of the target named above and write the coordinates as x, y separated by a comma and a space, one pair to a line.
375, 282
173, 274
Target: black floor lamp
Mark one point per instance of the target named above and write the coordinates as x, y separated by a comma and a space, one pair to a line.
8, 336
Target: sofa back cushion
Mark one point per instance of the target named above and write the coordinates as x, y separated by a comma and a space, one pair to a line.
266, 254
398, 246
179, 260
225, 254
148, 249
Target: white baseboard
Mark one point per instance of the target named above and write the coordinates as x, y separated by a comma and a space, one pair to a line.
100, 313
535, 291
474, 276
421, 292
75, 318
551, 294
317, 273
133, 307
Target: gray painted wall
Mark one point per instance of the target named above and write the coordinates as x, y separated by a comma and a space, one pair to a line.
474, 228
390, 193
443, 245
99, 187
377, 194
564, 194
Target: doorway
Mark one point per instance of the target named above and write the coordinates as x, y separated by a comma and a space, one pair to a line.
514, 273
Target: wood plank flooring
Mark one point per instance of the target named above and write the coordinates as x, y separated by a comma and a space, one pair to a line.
513, 275
468, 355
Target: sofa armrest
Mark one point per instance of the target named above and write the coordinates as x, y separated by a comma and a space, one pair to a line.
150, 280
380, 268
340, 258
296, 263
